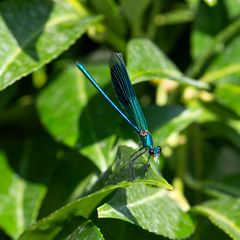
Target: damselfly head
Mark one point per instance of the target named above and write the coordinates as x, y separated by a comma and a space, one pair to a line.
155, 151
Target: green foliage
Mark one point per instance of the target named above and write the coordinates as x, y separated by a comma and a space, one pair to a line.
149, 208
64, 164
224, 213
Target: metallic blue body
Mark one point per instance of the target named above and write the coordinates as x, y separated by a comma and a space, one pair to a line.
147, 140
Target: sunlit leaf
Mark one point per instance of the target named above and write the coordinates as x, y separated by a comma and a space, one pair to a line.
35, 32
51, 225
123, 170
150, 208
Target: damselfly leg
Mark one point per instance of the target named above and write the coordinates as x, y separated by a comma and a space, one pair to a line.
134, 157
139, 150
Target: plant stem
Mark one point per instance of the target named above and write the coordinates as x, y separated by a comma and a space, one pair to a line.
191, 82
181, 161
174, 17
152, 27
197, 156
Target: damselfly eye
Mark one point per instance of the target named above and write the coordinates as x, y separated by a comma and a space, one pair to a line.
151, 151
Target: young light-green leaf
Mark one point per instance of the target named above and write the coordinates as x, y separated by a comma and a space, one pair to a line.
34, 32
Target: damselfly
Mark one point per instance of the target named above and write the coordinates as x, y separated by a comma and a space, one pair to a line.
131, 110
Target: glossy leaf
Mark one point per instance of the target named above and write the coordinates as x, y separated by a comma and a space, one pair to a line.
51, 225
69, 109
35, 32
150, 208
86, 231
123, 170
76, 228
224, 213
19, 200
145, 61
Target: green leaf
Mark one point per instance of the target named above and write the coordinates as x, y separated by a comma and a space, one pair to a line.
223, 131
224, 213
118, 175
228, 95
225, 68
35, 32
76, 228
204, 29
177, 120
72, 111
86, 231
233, 9
112, 15
146, 61
52, 224
122, 170
135, 14
19, 200
72, 176
211, 3
150, 208
225, 73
